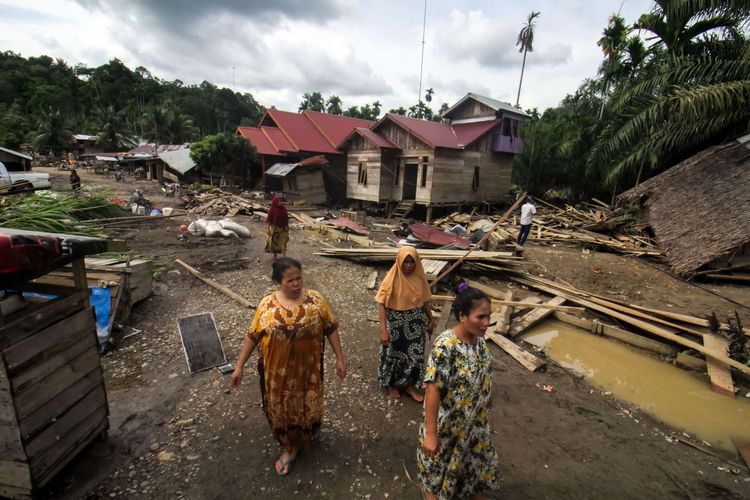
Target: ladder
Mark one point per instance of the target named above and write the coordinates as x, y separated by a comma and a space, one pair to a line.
403, 209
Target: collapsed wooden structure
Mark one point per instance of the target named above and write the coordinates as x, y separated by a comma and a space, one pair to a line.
52, 397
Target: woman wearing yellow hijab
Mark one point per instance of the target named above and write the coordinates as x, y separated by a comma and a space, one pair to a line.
405, 323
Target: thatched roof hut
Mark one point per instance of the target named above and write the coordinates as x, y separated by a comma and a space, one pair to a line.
699, 209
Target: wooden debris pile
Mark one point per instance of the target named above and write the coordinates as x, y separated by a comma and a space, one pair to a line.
218, 203
680, 337
591, 224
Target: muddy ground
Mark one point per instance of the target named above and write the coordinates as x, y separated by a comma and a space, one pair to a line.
173, 435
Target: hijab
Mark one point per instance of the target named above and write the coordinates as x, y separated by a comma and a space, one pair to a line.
402, 292
277, 215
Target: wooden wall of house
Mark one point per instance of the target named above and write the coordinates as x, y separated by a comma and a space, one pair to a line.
306, 185
362, 152
471, 109
452, 179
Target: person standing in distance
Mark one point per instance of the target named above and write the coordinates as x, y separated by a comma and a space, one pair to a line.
527, 217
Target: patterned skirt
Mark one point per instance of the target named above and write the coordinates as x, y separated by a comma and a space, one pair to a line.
277, 240
402, 361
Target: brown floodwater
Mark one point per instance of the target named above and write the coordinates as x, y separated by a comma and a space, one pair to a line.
680, 398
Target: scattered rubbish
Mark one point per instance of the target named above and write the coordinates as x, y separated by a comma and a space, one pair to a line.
224, 228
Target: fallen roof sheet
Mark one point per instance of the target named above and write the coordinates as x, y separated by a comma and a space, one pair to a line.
16, 153
179, 160
434, 236
281, 169
347, 223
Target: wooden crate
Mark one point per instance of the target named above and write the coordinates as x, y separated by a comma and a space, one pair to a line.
52, 397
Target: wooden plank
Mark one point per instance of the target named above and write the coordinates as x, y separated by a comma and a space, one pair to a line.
11, 445
66, 423
721, 377
44, 467
38, 394
52, 409
79, 274
14, 492
503, 315
625, 336
445, 316
531, 318
528, 360
34, 318
50, 340
15, 474
226, 291
39, 372
744, 448
372, 280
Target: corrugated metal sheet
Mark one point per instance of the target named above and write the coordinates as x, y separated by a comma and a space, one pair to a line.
303, 134
281, 169
178, 160
487, 101
257, 138
336, 127
16, 153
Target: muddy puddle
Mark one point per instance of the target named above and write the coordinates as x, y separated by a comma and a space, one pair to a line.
677, 397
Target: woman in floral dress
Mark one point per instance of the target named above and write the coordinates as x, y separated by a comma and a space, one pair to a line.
405, 323
456, 458
291, 326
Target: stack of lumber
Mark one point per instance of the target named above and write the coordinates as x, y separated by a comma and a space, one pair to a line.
582, 225
218, 203
389, 255
325, 227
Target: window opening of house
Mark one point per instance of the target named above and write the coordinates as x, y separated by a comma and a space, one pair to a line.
362, 173
475, 179
397, 173
425, 162
291, 184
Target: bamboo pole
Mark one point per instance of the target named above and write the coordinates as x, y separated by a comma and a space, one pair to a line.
479, 243
226, 291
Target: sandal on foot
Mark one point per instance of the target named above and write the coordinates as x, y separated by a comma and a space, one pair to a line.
282, 467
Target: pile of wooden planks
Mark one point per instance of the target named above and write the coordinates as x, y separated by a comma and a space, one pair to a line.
671, 332
218, 203
590, 224
387, 254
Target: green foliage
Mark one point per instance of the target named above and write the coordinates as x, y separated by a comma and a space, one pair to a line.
225, 154
53, 133
38, 84
56, 212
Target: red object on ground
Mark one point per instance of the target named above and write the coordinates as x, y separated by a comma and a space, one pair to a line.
435, 236
183, 228
347, 223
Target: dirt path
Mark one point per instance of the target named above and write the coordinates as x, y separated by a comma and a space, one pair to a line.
174, 435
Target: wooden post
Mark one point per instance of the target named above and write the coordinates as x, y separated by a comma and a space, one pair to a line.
503, 315
428, 217
79, 274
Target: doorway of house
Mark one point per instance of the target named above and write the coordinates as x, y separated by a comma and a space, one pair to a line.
410, 181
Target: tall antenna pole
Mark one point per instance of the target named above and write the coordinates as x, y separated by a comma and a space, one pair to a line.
421, 62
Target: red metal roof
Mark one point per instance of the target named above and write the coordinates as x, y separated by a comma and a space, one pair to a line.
372, 136
435, 236
335, 128
437, 135
302, 133
466, 133
279, 140
258, 139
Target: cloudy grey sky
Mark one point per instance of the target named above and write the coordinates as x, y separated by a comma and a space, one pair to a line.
359, 50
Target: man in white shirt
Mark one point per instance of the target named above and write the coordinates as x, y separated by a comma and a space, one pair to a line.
527, 216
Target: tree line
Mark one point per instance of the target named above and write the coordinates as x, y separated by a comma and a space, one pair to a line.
671, 83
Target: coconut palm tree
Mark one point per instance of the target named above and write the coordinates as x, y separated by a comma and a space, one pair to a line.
526, 43
113, 133
676, 24
53, 133
334, 105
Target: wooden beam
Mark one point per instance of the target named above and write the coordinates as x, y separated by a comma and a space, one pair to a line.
531, 318
226, 291
721, 377
503, 315
445, 316
625, 336
531, 362
479, 243
79, 274
372, 280
528, 303
744, 448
